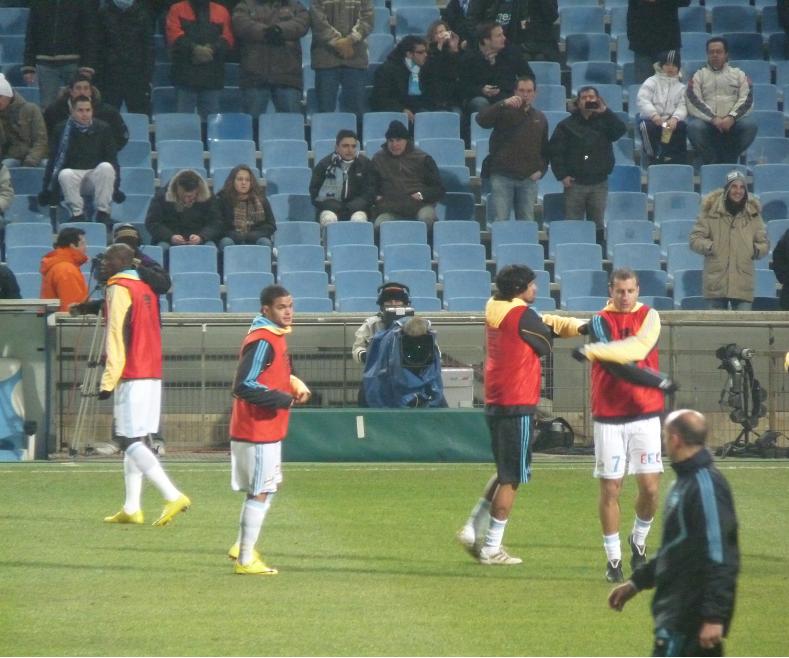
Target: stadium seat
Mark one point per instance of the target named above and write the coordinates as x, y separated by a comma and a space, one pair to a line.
305, 284
760, 72
585, 47
29, 284
280, 125
179, 154
765, 96
644, 256
765, 304
512, 232
322, 147
669, 178
681, 257
553, 118
694, 45
552, 208
27, 180
591, 73
622, 48
625, 178
193, 285
569, 230
230, 153
456, 232
357, 304
154, 252
291, 207
675, 231
13, 20
468, 283
713, 176
25, 208
455, 178
456, 206
769, 18
406, 257
326, 125
379, 46
658, 302
466, 304
768, 150
192, 258
618, 23
356, 284
133, 209
692, 303
764, 282
623, 151
313, 305
744, 45
31, 234
284, 153
401, 232
676, 205
588, 303
381, 17
575, 255
353, 258
460, 257
135, 154
581, 20
692, 19
246, 258
444, 150
626, 205
413, 20
583, 283
531, 255
295, 232
198, 305
25, 258
242, 284
775, 230
732, 18
775, 205
544, 304
421, 283
345, 233
770, 122
374, 126
425, 304
243, 305
482, 149
546, 73
628, 231
95, 233
430, 125
770, 178
176, 126
687, 283
776, 47
299, 258
288, 180
230, 100
652, 282
550, 98
230, 125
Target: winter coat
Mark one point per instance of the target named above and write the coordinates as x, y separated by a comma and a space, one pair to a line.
23, 133
781, 268
518, 143
186, 30
529, 23
264, 62
60, 110
729, 245
461, 24
714, 93
62, 278
118, 29
164, 219
440, 78
400, 176
9, 288
478, 72
654, 26
264, 228
333, 19
663, 95
390, 89
361, 179
6, 189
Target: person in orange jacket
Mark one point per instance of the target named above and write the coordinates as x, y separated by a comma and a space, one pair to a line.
61, 276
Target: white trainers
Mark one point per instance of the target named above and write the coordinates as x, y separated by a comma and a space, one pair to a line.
497, 556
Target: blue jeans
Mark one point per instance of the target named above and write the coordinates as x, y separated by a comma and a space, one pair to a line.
327, 86
255, 99
722, 304
229, 242
506, 190
206, 101
715, 147
51, 79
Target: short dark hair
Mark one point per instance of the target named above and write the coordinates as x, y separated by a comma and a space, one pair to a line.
270, 293
691, 427
484, 30
81, 99
345, 133
588, 88
512, 280
407, 45
622, 274
526, 78
188, 180
722, 40
69, 237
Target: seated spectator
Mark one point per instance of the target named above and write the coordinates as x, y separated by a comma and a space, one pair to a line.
781, 269
61, 276
83, 161
199, 36
9, 288
246, 213
396, 84
407, 180
184, 213
662, 112
61, 109
528, 24
23, 134
730, 234
488, 72
719, 98
6, 191
440, 75
343, 183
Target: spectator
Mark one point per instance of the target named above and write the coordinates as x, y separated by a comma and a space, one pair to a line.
730, 234
184, 212
61, 276
343, 183
125, 72
662, 112
23, 135
9, 288
396, 85
83, 161
518, 151
339, 52
199, 36
488, 72
652, 28
268, 33
781, 269
80, 85
6, 190
408, 182
459, 20
61, 40
719, 98
440, 75
245, 210
582, 156
528, 24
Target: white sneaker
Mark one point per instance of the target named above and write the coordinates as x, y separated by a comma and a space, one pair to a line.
497, 556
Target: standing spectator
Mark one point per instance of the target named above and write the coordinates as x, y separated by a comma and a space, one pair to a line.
61, 108
199, 36
23, 135
458, 17
246, 212
719, 98
582, 156
343, 183
408, 181
125, 73
518, 151
652, 28
264, 390
339, 52
83, 161
528, 24
695, 572
9, 288
662, 112
440, 75
396, 84
133, 374
268, 33
781, 269
730, 234
61, 276
184, 213
61, 39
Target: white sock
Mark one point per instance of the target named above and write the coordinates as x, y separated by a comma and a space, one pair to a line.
612, 546
132, 477
252, 518
147, 462
641, 530
495, 534
241, 522
478, 514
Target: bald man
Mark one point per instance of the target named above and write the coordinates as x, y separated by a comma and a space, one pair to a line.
695, 571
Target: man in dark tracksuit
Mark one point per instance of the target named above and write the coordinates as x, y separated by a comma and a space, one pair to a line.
695, 570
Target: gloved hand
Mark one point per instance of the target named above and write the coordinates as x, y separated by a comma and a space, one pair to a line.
202, 54
105, 395
669, 386
584, 329
344, 47
274, 36
578, 354
118, 196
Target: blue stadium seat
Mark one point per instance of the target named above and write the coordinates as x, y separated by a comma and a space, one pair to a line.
13, 20
230, 125
421, 283
278, 125
425, 304
553, 118
29, 284
580, 20
326, 125
546, 73
313, 305
652, 282
692, 19
455, 178
770, 122
356, 304
284, 153
775, 230
176, 125
745, 45
765, 96
550, 98
770, 178
628, 231
692, 303
768, 150
406, 257
27, 180
379, 46
444, 150
466, 304
544, 304
585, 47
348, 233
591, 73
713, 176
192, 258
374, 125
687, 283
133, 209
179, 154
694, 45
776, 47
765, 304
430, 125
300, 258
193, 284
95, 233
243, 305
676, 205
618, 24
644, 256
658, 302
675, 231
456, 206
770, 22
135, 154
25, 258
669, 178
759, 71
482, 149
355, 284
230, 153
322, 147
292, 207
588, 303
13, 47
622, 47
353, 258
246, 284
460, 257
552, 208
456, 232
137, 180
583, 283
381, 17
624, 148
569, 230
413, 20
305, 284
401, 232
230, 100
512, 232
246, 258
198, 305
25, 208
138, 126
288, 180
30, 234
470, 283
681, 257
690, 66
733, 18
576, 255
531, 255
625, 178
626, 205
775, 205
153, 251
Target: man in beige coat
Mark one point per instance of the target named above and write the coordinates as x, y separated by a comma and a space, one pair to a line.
730, 234
23, 133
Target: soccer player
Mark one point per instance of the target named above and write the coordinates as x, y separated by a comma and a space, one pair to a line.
263, 392
133, 372
695, 571
626, 415
516, 337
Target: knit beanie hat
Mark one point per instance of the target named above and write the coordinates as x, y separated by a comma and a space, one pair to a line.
392, 291
5, 87
733, 176
670, 57
127, 234
396, 130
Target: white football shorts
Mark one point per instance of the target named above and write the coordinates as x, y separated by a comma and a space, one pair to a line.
255, 467
137, 405
636, 444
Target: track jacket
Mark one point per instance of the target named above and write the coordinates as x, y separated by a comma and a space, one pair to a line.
719, 93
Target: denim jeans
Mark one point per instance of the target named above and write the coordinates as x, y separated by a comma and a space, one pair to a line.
229, 242
327, 86
586, 201
715, 147
51, 79
722, 304
206, 101
255, 99
506, 190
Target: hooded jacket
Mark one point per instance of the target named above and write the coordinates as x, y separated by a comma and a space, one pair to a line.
712, 93
335, 19
23, 133
663, 95
729, 245
400, 176
62, 278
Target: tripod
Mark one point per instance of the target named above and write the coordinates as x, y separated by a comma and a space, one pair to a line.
745, 395
85, 424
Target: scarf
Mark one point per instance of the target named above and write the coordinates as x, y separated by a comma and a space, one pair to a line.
65, 139
248, 213
335, 183
413, 80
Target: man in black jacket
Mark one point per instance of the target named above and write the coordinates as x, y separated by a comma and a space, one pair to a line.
695, 571
527, 24
396, 85
652, 27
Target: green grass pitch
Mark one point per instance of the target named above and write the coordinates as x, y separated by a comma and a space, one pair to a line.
368, 565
